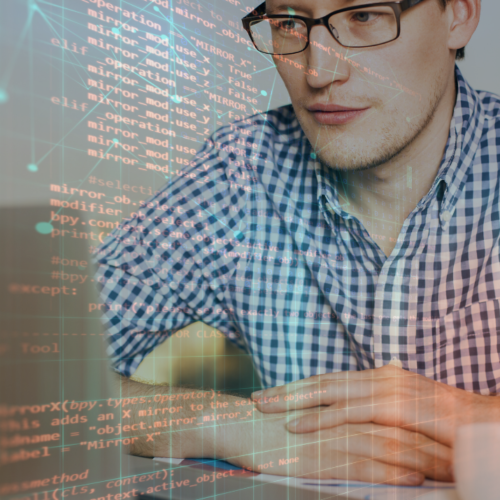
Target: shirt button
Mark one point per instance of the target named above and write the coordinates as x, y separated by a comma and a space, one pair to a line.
446, 216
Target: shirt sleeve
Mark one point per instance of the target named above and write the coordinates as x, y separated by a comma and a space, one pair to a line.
157, 271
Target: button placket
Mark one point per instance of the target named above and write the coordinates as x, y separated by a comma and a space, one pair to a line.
431, 242
378, 317
425, 254
411, 328
391, 328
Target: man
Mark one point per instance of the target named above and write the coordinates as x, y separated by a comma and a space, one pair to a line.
348, 242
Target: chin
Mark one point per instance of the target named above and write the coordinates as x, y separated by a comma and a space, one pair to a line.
358, 148
363, 145
354, 153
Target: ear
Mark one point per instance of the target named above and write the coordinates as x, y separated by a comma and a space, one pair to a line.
464, 18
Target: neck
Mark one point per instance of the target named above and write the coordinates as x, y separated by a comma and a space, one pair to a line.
395, 188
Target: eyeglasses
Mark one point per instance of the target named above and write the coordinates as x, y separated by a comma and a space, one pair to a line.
367, 25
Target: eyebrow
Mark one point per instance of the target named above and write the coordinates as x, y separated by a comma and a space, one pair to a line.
284, 6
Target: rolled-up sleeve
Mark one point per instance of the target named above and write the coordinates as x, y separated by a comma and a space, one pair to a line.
142, 305
156, 272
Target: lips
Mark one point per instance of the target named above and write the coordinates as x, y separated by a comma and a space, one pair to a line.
333, 114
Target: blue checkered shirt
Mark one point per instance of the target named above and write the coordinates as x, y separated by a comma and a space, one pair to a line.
252, 239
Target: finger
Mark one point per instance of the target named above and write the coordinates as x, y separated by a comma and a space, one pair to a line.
324, 418
277, 394
385, 372
417, 415
411, 440
321, 393
310, 396
345, 376
406, 440
325, 390
394, 452
359, 468
386, 411
426, 459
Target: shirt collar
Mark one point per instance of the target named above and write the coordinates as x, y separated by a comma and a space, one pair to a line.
328, 195
463, 140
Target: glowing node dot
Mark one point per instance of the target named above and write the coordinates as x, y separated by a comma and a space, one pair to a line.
156, 8
176, 99
115, 140
32, 167
313, 156
238, 234
4, 97
263, 92
291, 11
116, 30
408, 119
164, 37
44, 227
249, 48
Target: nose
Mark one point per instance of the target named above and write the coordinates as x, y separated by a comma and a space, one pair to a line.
325, 60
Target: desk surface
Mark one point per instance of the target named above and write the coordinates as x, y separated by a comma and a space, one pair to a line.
246, 483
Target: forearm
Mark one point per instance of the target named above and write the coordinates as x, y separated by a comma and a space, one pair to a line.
177, 422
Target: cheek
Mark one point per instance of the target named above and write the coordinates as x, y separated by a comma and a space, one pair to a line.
293, 76
397, 82
420, 60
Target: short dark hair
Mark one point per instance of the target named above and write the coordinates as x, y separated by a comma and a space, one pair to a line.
460, 52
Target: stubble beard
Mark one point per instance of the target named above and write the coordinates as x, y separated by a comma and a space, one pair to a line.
356, 154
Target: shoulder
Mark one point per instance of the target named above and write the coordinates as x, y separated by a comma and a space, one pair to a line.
244, 145
208, 197
490, 103
483, 146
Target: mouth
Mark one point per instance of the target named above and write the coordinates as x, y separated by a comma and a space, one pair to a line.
332, 114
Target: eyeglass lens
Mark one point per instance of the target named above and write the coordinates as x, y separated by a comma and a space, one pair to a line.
364, 27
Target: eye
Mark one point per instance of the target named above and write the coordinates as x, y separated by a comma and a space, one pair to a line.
287, 25
364, 17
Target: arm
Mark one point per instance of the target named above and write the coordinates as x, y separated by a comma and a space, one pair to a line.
206, 424
144, 303
175, 421
387, 396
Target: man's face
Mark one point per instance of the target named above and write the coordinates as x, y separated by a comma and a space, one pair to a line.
396, 88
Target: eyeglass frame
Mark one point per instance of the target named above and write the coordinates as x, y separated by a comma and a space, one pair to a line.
260, 13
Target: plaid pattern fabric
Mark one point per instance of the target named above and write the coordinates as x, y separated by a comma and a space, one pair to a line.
252, 239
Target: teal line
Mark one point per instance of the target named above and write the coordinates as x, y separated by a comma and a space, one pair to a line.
10, 67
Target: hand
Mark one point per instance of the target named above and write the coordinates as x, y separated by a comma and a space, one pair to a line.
359, 452
386, 396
